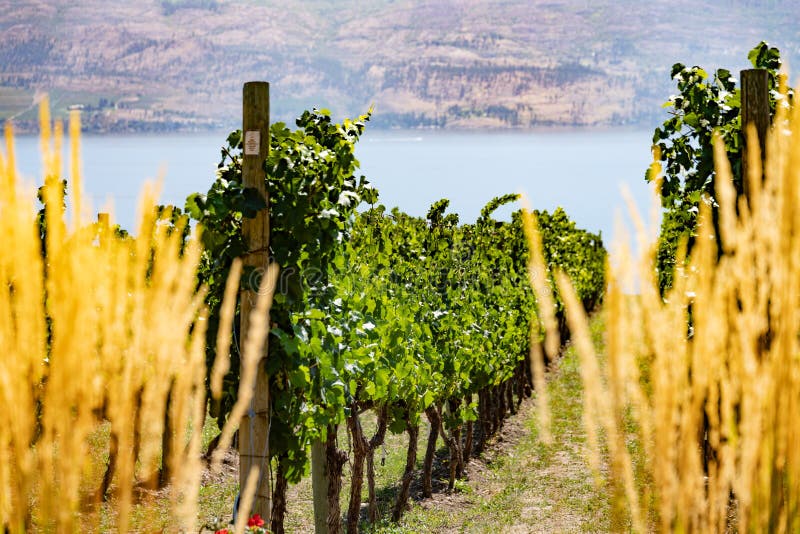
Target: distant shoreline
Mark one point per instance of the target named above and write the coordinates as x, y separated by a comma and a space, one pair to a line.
28, 127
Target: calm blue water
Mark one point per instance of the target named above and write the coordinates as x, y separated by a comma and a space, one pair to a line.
583, 171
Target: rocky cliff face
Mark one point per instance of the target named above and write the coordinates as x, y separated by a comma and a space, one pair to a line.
164, 64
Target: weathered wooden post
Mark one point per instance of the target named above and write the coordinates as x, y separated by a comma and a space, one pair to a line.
253, 430
755, 111
319, 485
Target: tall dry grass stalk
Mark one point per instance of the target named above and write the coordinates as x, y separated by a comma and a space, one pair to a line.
105, 332
698, 397
544, 323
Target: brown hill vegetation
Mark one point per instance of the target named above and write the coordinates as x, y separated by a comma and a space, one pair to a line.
165, 64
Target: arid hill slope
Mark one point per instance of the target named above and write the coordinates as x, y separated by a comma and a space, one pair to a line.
164, 64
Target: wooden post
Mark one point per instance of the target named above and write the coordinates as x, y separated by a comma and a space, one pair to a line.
319, 486
103, 227
755, 111
254, 428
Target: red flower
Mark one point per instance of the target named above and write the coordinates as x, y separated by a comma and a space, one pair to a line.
222, 531
255, 521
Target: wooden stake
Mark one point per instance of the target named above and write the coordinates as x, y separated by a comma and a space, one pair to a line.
254, 430
103, 227
755, 111
319, 486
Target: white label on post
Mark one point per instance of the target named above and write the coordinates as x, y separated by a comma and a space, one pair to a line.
252, 143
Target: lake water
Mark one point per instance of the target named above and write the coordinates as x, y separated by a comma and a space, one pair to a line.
581, 170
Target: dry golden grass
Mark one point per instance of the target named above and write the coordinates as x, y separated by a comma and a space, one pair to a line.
105, 332
543, 323
103, 329
698, 398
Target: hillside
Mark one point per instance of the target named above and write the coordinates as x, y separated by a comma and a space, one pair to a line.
167, 64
